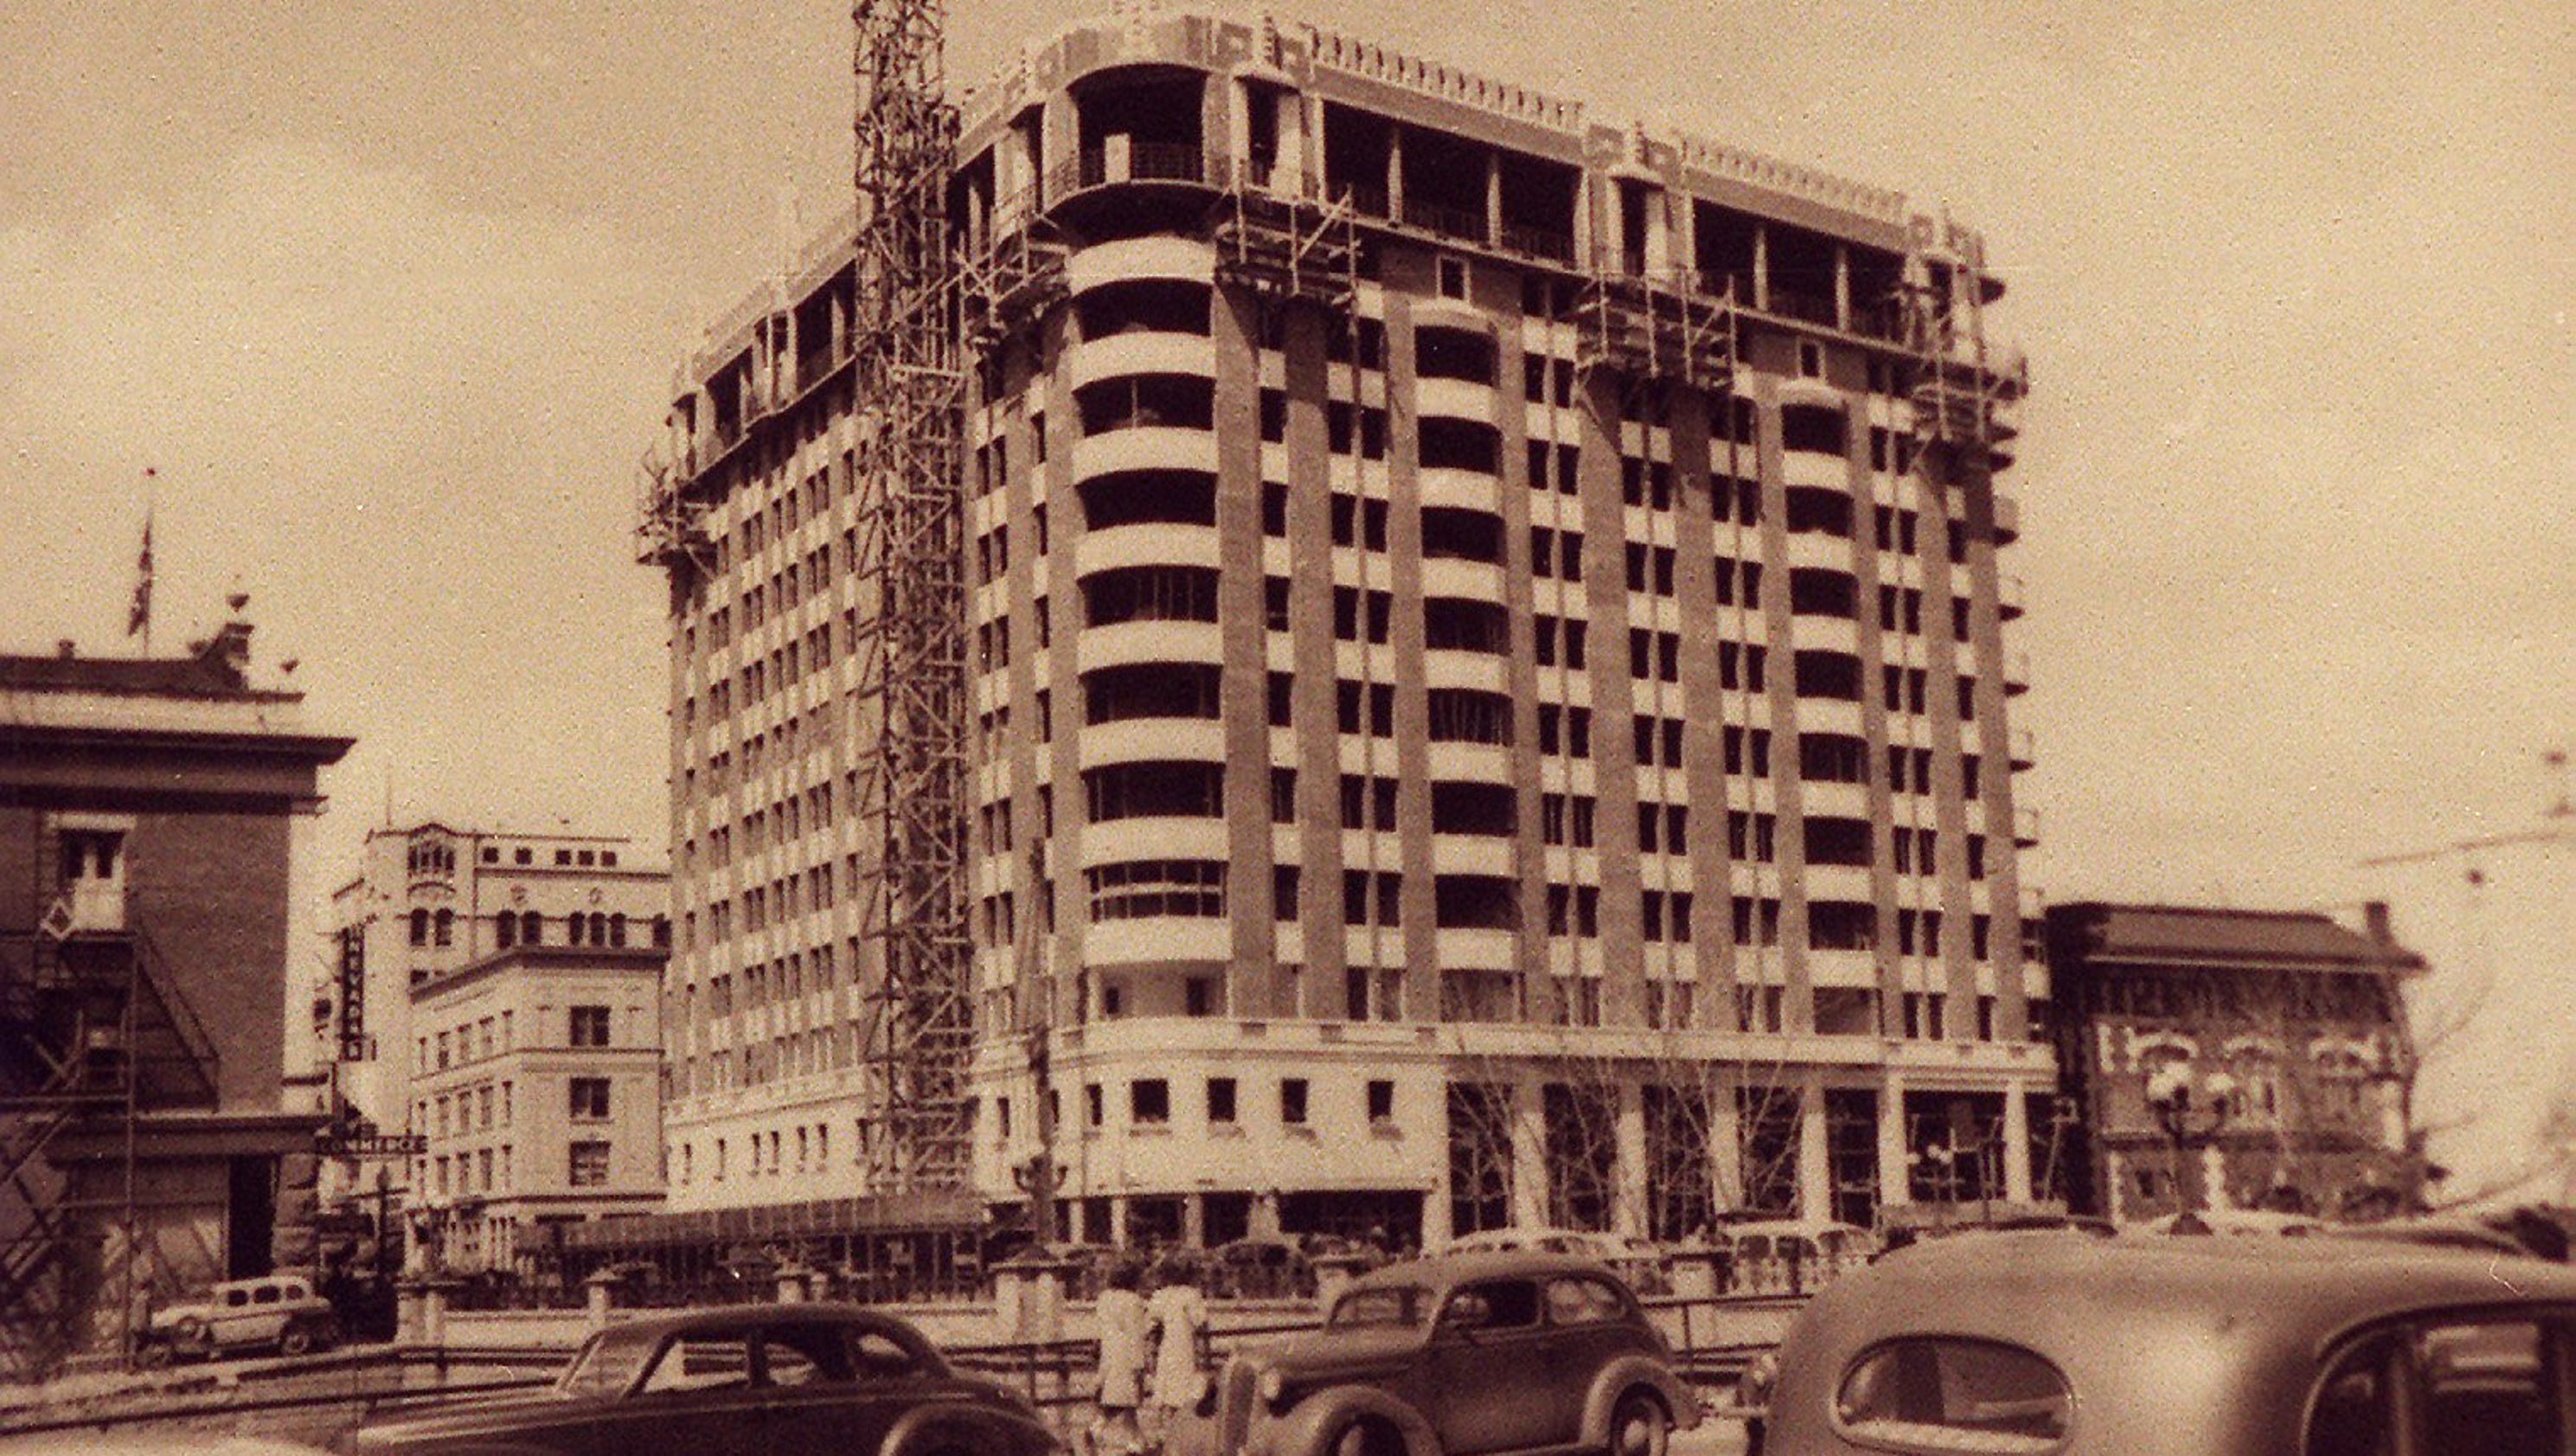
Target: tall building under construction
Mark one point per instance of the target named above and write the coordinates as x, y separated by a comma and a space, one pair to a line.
1359, 651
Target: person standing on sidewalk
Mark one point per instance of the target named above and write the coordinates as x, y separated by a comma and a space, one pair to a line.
1126, 1332
1180, 1316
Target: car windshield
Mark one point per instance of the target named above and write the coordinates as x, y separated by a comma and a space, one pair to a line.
1396, 1306
608, 1364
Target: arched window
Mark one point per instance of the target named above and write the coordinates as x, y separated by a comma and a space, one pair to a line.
532, 928
446, 927
617, 928
420, 927
505, 930
598, 928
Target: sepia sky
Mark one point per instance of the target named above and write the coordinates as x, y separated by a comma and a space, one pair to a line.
389, 296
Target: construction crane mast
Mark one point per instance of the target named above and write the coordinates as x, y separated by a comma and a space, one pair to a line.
912, 599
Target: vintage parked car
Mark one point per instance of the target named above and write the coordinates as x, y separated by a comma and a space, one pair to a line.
1634, 1259
2050, 1344
278, 1312
1791, 1255
1453, 1356
741, 1381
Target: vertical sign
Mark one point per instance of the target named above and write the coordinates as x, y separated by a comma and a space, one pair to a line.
353, 994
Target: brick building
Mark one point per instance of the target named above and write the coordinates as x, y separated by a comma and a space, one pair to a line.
2302, 1016
148, 817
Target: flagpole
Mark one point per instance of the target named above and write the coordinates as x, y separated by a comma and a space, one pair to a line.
139, 616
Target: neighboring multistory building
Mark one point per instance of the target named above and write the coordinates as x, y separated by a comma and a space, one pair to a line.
427, 900
149, 810
538, 1086
1486, 665
2301, 1019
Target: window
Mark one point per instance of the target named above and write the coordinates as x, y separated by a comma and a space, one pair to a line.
589, 1164
1149, 1101
1938, 1392
1452, 277
1292, 1101
589, 1096
1220, 1100
713, 1360
1381, 1101
590, 1026
2467, 1386
1500, 1304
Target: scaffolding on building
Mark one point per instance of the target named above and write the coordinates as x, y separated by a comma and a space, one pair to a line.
92, 1032
912, 595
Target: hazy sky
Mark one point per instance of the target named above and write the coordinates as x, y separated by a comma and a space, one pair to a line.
390, 294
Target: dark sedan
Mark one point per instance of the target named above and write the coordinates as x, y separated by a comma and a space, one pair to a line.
737, 1382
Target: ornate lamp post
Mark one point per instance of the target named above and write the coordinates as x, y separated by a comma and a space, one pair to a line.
2192, 1110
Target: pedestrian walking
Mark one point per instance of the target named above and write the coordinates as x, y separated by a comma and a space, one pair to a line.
1126, 1334
1180, 1316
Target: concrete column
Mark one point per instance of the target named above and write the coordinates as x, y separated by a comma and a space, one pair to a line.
1659, 235
2017, 1145
1395, 172
1301, 143
1238, 122
1437, 1230
1815, 1173
1628, 1201
1493, 197
791, 1283
1893, 1185
1761, 266
1194, 1220
1725, 1149
2115, 1185
1529, 1154
1118, 1220
2213, 1177
1842, 286
411, 1312
599, 1296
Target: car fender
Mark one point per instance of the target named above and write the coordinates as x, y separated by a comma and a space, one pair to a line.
1625, 1374
940, 1424
1310, 1425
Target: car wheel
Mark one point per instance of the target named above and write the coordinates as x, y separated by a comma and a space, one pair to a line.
296, 1339
1639, 1426
1368, 1438
153, 1355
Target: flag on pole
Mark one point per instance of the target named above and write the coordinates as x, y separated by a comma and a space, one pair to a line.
138, 617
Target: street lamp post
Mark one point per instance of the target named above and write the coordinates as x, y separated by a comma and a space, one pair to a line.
2192, 1111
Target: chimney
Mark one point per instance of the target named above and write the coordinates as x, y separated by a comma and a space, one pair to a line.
2375, 923
64, 649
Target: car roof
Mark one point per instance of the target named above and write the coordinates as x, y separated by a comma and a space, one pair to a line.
1807, 1227
1441, 1272
739, 1315
2148, 1325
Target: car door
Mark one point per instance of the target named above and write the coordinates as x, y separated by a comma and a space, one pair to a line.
1589, 1325
697, 1398
229, 1316
1495, 1387
819, 1394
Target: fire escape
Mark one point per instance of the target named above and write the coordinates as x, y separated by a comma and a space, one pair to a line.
93, 1035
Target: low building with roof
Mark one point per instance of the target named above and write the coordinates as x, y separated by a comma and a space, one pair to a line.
2287, 1032
149, 812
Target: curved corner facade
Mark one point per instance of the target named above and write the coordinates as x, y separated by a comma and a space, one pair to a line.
1486, 643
